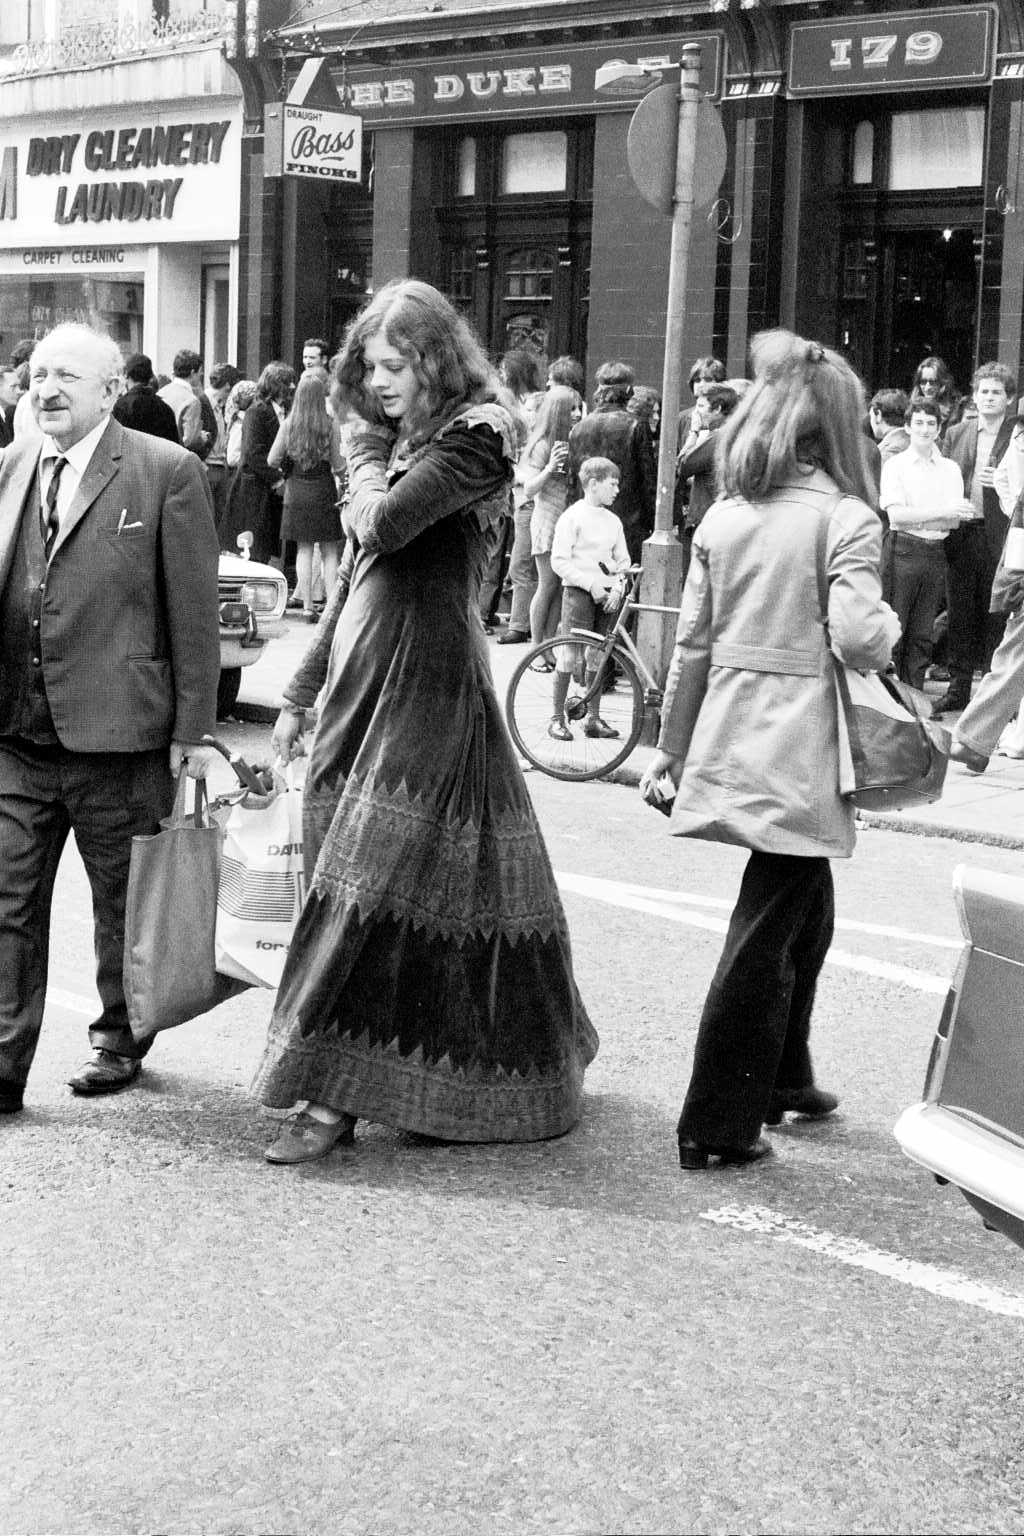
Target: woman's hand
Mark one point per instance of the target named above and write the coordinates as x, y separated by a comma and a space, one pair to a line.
558, 458
661, 765
287, 735
367, 438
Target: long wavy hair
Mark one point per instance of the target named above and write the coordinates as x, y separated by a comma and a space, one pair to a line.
802, 412
276, 382
555, 418
448, 362
946, 392
308, 426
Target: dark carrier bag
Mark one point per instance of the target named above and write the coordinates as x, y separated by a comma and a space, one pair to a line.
170, 918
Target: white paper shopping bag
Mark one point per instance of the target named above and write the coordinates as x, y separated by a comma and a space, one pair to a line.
262, 885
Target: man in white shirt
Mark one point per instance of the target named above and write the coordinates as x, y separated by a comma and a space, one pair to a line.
922, 495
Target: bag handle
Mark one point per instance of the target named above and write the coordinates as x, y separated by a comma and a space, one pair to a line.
200, 815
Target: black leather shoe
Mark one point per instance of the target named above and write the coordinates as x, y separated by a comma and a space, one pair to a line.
11, 1095
947, 703
513, 637
693, 1155
104, 1072
812, 1103
974, 762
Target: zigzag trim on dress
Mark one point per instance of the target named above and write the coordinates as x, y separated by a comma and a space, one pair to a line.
432, 1097
388, 851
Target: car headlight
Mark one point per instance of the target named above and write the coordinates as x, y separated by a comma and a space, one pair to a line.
264, 595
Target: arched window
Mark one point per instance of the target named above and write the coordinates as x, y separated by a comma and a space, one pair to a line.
862, 158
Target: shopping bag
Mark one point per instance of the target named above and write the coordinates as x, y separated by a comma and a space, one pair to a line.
262, 883
890, 756
170, 913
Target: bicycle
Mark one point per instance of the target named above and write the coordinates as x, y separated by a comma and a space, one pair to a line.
625, 684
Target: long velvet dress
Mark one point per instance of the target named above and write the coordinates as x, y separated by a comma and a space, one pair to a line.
429, 984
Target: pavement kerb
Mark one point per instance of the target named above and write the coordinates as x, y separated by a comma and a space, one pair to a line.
255, 713
629, 774
263, 683
957, 834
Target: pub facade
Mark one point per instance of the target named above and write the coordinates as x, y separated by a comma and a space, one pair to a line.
872, 196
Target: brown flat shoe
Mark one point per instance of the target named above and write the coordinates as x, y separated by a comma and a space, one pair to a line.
303, 1138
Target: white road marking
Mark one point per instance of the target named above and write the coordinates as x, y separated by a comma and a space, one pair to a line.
691, 899
667, 905
762, 1222
57, 998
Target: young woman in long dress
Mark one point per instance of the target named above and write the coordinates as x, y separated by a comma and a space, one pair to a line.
429, 985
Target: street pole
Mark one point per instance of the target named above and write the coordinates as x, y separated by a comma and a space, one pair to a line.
661, 582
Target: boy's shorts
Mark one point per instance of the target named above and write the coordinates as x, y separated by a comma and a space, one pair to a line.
580, 611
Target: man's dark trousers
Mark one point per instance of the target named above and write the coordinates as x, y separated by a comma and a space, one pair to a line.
974, 632
104, 798
914, 584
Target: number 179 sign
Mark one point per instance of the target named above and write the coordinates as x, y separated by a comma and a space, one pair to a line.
907, 51
328, 145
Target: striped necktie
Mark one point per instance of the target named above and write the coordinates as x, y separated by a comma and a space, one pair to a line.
50, 520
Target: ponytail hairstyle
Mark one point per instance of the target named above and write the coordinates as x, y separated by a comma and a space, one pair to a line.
802, 412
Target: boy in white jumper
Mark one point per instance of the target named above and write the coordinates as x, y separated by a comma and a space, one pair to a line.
588, 554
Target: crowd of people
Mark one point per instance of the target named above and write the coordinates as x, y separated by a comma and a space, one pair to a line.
429, 984
270, 449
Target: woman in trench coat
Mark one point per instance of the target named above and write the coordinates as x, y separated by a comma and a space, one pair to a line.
749, 732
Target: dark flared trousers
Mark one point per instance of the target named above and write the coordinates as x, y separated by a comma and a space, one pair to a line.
105, 799
754, 1030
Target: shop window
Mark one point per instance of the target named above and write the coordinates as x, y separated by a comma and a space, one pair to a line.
862, 156
31, 306
944, 147
465, 169
529, 274
534, 162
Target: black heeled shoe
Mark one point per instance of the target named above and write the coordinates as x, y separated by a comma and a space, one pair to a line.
693, 1155
812, 1103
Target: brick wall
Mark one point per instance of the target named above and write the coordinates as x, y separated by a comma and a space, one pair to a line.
629, 267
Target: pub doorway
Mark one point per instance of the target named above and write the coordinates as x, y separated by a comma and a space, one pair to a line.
890, 240
514, 221
908, 294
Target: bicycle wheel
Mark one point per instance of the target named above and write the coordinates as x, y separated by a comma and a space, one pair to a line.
529, 707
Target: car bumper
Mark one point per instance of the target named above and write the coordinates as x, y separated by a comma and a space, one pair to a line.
959, 1149
233, 653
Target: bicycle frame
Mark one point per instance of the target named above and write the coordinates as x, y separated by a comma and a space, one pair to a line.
619, 638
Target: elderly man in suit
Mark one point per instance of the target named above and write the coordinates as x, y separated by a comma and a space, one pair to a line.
109, 657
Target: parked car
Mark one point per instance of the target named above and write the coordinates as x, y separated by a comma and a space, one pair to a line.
252, 604
969, 1128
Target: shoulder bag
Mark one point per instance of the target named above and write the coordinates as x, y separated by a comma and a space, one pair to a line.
890, 757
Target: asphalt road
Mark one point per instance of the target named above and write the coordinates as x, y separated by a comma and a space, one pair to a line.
571, 1337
